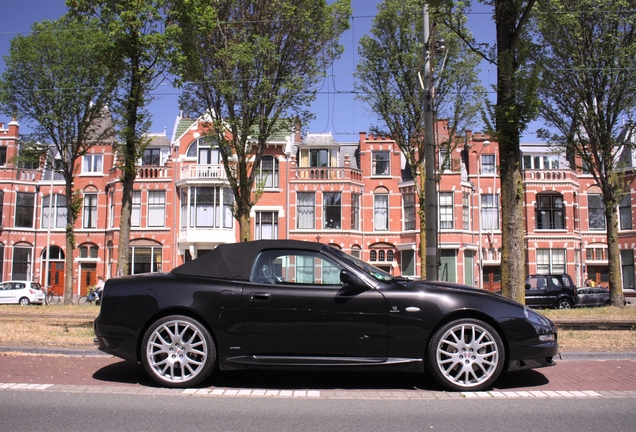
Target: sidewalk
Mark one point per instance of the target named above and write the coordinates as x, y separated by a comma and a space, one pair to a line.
87, 370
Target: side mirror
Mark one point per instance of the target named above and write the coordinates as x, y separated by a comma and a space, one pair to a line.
527, 286
351, 278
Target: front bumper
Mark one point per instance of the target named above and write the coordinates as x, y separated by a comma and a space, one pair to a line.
521, 364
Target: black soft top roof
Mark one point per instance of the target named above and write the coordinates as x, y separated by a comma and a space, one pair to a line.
234, 260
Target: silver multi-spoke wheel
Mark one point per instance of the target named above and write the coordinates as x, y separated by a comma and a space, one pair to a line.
178, 351
466, 354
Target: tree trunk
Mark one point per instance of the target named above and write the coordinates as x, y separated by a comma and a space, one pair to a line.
129, 173
244, 221
512, 230
422, 215
123, 248
613, 256
70, 242
508, 124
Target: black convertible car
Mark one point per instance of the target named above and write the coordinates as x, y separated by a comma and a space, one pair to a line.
293, 304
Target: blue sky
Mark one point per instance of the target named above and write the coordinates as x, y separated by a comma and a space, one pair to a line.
335, 108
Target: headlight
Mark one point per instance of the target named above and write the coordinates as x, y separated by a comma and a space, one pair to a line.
547, 337
536, 317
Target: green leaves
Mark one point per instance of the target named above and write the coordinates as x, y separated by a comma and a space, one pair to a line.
58, 82
390, 69
250, 66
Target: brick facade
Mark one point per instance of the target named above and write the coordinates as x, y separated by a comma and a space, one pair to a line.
356, 196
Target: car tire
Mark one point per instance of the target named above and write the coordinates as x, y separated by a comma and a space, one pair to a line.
24, 301
564, 304
466, 355
178, 351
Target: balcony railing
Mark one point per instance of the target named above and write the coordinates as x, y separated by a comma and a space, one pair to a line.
153, 172
193, 172
328, 173
548, 175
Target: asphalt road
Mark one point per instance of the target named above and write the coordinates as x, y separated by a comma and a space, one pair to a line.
69, 412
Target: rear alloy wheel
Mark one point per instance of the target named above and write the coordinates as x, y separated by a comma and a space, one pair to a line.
564, 304
466, 355
24, 301
178, 351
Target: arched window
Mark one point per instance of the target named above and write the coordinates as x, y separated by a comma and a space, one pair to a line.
56, 253
381, 255
373, 256
88, 251
389, 255
356, 251
206, 150
381, 209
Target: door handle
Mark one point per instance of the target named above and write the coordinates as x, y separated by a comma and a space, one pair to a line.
259, 297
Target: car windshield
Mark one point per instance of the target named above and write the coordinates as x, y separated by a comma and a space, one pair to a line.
372, 271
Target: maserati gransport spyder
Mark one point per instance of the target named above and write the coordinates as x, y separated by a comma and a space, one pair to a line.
286, 304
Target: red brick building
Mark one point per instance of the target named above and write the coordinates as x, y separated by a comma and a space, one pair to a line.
356, 196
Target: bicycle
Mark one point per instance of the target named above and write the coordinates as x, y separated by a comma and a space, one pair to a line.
51, 297
89, 298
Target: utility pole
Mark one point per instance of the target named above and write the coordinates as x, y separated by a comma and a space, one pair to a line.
430, 187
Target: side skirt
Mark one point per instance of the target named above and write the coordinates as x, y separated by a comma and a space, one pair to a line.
322, 363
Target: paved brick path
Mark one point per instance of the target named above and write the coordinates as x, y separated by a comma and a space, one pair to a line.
104, 372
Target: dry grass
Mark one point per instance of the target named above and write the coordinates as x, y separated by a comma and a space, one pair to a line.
597, 340
592, 313
72, 327
49, 326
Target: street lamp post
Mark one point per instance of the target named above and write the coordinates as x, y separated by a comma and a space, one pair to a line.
481, 252
430, 185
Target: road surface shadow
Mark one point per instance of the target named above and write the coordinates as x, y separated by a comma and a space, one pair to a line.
131, 373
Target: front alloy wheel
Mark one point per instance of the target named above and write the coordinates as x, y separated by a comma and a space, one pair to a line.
466, 354
178, 351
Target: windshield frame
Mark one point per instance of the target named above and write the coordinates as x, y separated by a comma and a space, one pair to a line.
368, 269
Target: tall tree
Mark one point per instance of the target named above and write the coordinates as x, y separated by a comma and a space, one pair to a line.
515, 107
389, 78
586, 51
57, 79
249, 66
140, 33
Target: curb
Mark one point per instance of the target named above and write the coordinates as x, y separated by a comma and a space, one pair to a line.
55, 351
594, 325
597, 356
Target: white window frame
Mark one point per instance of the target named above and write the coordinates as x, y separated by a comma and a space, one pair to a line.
156, 209
93, 163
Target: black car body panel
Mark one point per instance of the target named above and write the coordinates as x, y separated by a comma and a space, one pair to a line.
378, 321
550, 291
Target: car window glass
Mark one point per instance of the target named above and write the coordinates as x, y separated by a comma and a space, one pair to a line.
556, 281
295, 267
372, 271
537, 283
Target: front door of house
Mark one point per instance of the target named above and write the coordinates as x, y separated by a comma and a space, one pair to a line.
88, 277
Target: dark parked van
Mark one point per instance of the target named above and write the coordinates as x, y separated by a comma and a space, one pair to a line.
550, 291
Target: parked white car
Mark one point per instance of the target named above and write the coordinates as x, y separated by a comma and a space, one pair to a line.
21, 292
